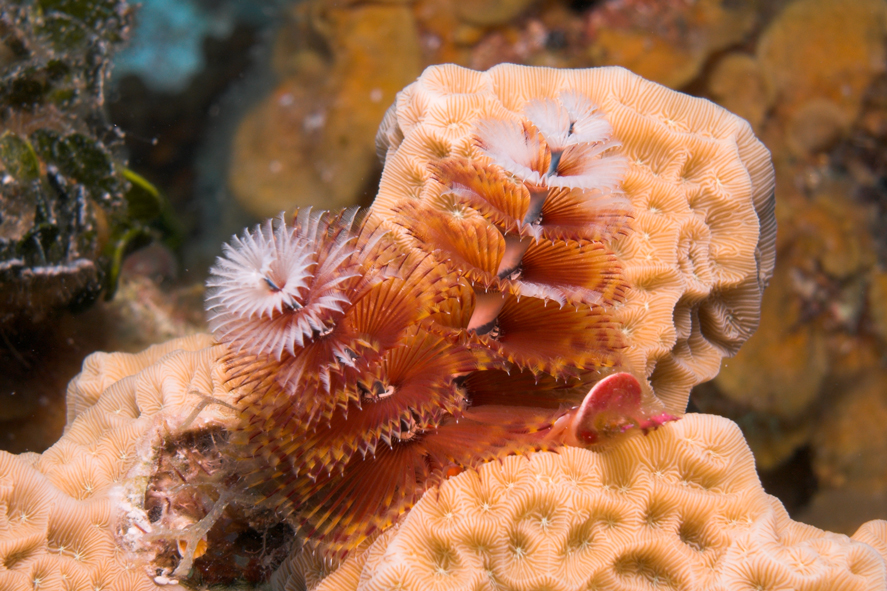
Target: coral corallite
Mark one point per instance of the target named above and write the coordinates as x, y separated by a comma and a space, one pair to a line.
472, 313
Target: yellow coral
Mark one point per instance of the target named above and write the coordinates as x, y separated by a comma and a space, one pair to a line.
738, 85
667, 42
818, 57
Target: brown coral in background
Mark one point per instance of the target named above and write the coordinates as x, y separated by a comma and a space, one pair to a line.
310, 141
667, 41
845, 40
339, 66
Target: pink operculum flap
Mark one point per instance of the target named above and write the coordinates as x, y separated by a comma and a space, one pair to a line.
614, 405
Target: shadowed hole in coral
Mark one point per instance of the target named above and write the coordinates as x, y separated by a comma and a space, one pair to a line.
539, 510
863, 563
438, 148
609, 519
519, 545
414, 181
441, 558
28, 550
697, 168
580, 6
619, 476
660, 376
701, 477
481, 542
658, 511
236, 551
682, 317
644, 567
579, 539
692, 533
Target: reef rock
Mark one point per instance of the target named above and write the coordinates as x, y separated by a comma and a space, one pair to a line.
849, 448
737, 84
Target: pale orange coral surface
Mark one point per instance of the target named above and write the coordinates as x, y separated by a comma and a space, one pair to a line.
681, 508
60, 511
700, 246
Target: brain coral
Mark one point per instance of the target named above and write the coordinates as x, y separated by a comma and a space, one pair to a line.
681, 508
700, 244
59, 511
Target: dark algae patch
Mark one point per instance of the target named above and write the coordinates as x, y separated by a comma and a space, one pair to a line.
70, 209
